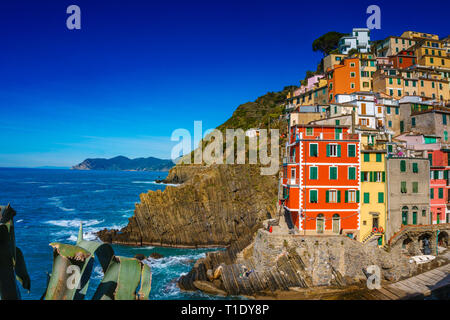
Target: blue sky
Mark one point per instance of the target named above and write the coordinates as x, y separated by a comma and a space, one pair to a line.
138, 70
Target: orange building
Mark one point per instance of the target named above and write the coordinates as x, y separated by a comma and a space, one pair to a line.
344, 78
321, 181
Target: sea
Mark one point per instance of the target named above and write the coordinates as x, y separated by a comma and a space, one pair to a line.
52, 203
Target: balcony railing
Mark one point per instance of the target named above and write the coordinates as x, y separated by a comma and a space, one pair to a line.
290, 159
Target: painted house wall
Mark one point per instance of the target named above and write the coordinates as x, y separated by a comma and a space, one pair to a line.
397, 200
347, 211
373, 188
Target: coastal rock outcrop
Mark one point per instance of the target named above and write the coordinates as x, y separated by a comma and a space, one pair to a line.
213, 206
279, 262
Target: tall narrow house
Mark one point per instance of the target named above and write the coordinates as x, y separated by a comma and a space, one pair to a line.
321, 180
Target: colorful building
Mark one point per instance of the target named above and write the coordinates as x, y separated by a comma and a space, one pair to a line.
359, 40
321, 180
404, 59
344, 78
439, 186
373, 189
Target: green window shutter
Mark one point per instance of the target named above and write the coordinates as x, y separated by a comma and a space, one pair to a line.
339, 196
403, 187
327, 196
352, 173
441, 193
372, 178
378, 157
362, 176
446, 174
333, 173
366, 157
346, 196
415, 167
328, 150
383, 176
366, 197
436, 174
339, 150
313, 173
357, 196
380, 197
431, 193
351, 150
402, 165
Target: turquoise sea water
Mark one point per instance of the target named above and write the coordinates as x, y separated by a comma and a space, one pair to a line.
51, 204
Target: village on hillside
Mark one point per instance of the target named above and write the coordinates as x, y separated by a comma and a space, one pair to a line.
368, 148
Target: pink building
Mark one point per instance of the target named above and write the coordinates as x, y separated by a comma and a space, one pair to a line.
311, 82
439, 186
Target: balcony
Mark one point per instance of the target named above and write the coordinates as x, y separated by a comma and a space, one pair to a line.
290, 159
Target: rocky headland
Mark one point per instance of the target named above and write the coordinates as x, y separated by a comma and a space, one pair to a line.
211, 207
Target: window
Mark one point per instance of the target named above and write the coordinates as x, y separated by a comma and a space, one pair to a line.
333, 173
390, 124
396, 110
441, 193
402, 165
415, 167
431, 193
313, 173
364, 176
413, 122
352, 150
366, 197
309, 131
313, 150
421, 83
352, 173
333, 196
444, 119
352, 64
378, 155
333, 150
390, 81
352, 85
388, 110
399, 81
366, 157
337, 122
380, 197
391, 92
313, 198
430, 158
292, 174
403, 187
424, 213
399, 92
352, 74
350, 196
415, 187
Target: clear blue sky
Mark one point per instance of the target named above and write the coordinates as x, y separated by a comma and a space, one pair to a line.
137, 70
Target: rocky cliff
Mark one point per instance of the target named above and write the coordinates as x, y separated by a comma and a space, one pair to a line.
213, 206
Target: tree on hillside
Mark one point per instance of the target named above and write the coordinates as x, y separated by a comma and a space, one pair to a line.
327, 42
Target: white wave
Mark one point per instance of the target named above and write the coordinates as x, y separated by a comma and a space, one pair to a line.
66, 209
156, 183
46, 186
167, 262
144, 248
75, 223
65, 183
98, 191
20, 220
90, 236
29, 182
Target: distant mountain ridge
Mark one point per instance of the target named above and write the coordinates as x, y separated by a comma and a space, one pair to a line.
122, 163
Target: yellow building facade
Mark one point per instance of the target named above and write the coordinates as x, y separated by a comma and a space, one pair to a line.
373, 190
